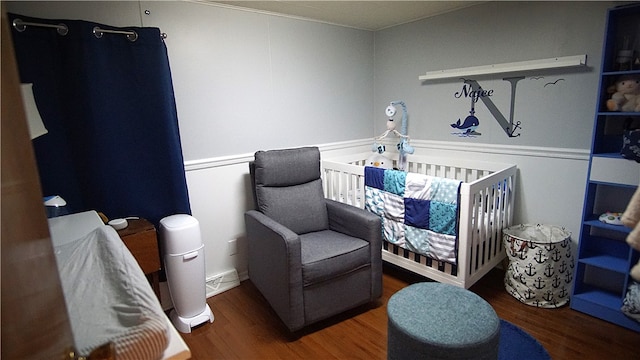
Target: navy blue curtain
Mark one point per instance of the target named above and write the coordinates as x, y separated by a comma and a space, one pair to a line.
108, 104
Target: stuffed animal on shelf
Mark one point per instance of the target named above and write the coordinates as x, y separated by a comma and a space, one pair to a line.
625, 94
378, 160
631, 218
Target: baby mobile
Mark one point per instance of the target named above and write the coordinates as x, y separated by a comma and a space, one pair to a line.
379, 160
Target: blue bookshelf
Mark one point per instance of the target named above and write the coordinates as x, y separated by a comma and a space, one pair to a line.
604, 258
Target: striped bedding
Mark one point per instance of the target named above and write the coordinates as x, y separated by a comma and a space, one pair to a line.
108, 297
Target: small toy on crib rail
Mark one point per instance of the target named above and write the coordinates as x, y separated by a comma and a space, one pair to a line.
379, 148
379, 161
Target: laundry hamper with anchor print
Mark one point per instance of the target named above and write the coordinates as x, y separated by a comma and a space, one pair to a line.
541, 264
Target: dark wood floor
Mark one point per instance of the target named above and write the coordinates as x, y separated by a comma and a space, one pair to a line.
245, 327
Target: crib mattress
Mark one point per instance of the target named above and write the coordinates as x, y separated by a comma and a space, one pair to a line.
107, 295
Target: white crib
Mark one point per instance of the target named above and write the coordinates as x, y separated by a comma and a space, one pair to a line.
486, 207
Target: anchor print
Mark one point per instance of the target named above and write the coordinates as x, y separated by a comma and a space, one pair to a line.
516, 126
522, 279
507, 281
563, 267
539, 283
549, 247
548, 270
556, 281
548, 295
529, 294
514, 293
539, 258
563, 292
556, 255
568, 277
522, 255
529, 270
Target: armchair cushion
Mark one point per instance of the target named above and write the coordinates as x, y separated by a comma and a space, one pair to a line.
328, 254
300, 208
276, 167
291, 194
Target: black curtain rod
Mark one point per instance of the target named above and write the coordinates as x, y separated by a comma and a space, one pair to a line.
62, 29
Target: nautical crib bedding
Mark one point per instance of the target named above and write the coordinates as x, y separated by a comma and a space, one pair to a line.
419, 212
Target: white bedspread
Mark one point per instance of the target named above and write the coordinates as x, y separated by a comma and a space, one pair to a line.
108, 297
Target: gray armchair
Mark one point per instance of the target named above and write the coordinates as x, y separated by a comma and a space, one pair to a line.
310, 257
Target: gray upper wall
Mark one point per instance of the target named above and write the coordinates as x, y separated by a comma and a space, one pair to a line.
551, 115
246, 81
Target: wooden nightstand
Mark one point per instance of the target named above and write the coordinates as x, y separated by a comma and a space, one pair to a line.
140, 238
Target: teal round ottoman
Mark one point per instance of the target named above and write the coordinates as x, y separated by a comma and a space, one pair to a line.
440, 321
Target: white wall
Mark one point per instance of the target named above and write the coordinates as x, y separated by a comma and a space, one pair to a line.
220, 193
246, 81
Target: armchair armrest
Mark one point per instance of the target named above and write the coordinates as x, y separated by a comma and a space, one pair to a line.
355, 222
275, 266
362, 224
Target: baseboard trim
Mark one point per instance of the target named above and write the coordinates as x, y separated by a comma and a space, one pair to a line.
222, 282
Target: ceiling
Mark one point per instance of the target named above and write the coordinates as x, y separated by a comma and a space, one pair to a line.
367, 15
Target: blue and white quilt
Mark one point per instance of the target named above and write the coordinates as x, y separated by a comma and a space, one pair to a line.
418, 212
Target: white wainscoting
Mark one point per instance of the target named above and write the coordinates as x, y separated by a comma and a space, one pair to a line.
550, 190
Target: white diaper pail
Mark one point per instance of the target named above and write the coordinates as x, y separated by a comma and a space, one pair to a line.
183, 253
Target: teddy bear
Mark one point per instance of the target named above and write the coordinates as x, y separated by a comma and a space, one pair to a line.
631, 218
625, 94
